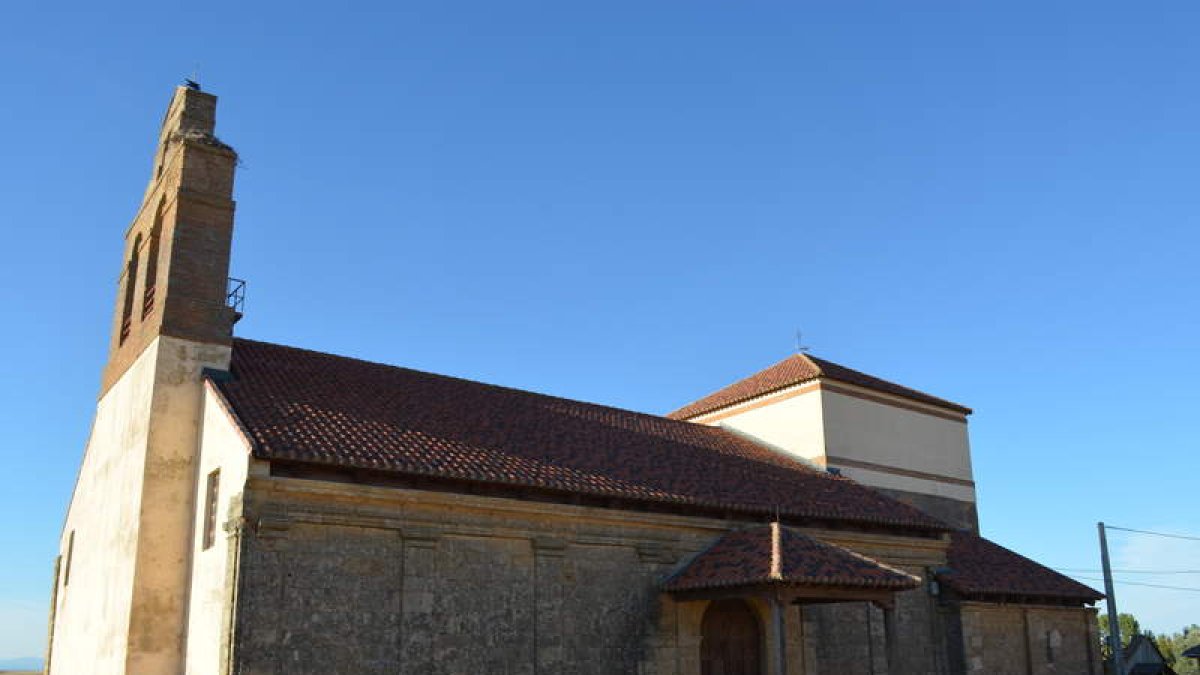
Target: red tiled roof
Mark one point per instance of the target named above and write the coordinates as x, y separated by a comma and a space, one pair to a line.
773, 554
797, 369
978, 567
318, 408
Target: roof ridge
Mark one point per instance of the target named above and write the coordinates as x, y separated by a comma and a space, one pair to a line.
776, 573
869, 559
737, 400
798, 369
816, 366
904, 391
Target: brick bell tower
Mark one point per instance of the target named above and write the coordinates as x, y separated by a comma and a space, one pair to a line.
176, 265
121, 589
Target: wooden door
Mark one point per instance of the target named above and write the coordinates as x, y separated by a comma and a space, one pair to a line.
730, 640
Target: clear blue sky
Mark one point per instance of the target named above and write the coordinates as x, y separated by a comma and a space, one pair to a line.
635, 203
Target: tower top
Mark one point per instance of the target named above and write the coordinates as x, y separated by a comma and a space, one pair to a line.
177, 249
191, 117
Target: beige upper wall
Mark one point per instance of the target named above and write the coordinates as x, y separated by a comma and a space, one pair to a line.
891, 436
876, 439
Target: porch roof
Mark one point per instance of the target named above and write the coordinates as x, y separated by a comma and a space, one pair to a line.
773, 555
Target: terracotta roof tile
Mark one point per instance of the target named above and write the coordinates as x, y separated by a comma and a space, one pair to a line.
318, 408
978, 567
797, 369
778, 555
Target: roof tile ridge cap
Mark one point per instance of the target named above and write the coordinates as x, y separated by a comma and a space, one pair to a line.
776, 572
915, 395
912, 392
752, 397
869, 560
816, 366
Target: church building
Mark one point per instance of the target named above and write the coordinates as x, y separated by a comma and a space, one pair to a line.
252, 508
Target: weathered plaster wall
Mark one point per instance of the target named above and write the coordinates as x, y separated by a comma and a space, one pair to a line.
349, 579
223, 448
96, 578
1029, 640
131, 513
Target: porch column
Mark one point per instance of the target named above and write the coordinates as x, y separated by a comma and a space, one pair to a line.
778, 651
890, 638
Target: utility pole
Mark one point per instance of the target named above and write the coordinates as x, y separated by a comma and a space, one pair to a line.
1114, 626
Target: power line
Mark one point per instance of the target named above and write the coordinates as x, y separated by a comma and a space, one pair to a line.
1157, 534
1096, 571
1140, 583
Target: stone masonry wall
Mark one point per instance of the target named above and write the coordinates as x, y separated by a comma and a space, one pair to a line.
417, 582
851, 637
1029, 640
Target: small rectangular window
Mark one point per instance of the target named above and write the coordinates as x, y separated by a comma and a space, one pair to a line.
210, 508
70, 552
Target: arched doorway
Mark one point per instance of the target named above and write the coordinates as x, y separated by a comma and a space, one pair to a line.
730, 640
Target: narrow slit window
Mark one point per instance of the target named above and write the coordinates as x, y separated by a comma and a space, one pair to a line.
70, 554
210, 508
131, 275
1053, 642
151, 281
151, 277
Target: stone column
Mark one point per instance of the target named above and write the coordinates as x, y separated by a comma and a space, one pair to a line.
549, 558
1091, 632
891, 639
803, 638
418, 582
777, 640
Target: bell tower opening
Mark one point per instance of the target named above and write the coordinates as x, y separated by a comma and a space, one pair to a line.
151, 282
130, 283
